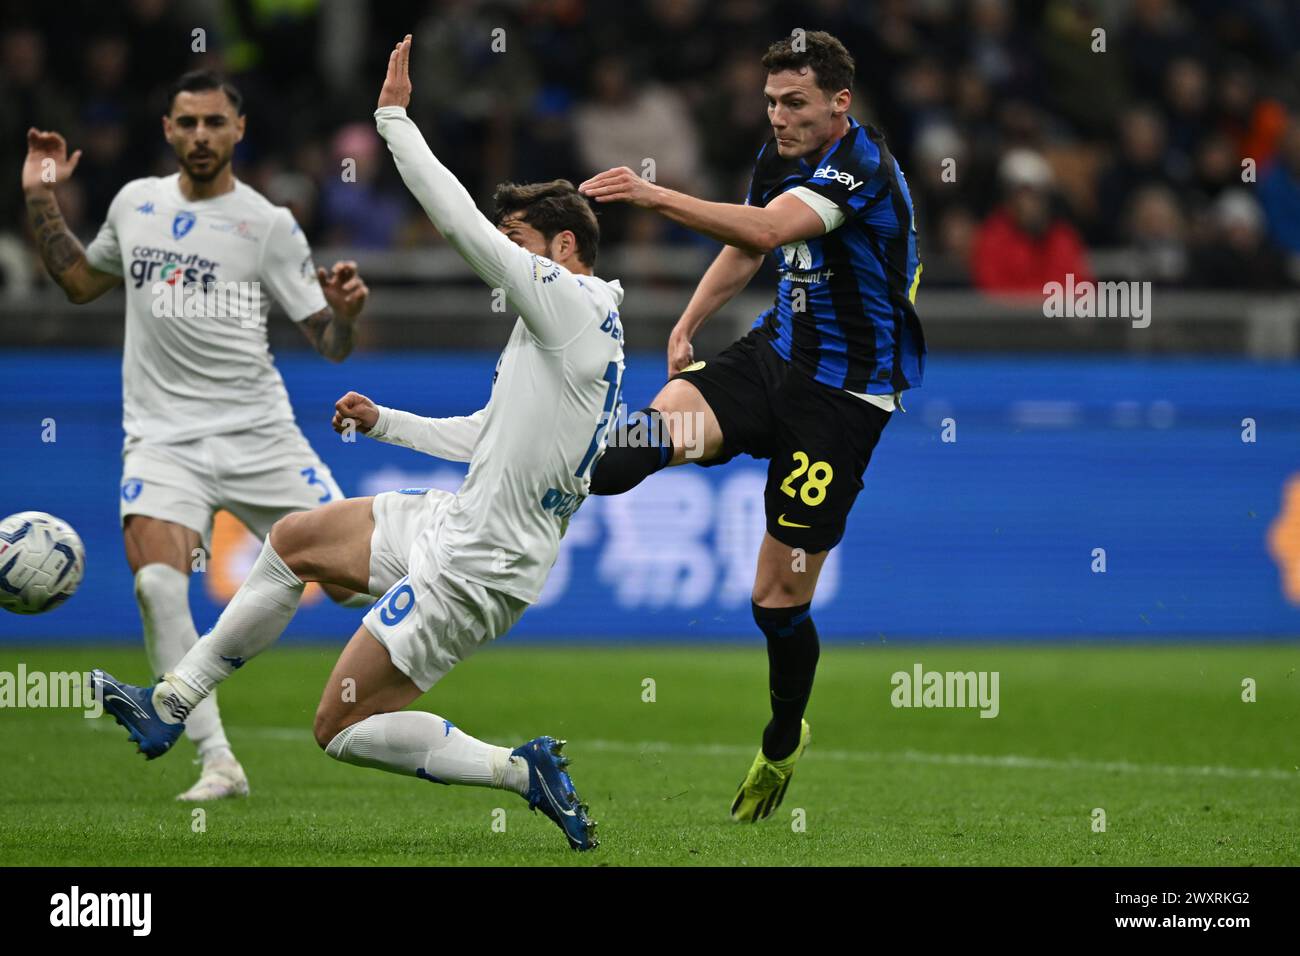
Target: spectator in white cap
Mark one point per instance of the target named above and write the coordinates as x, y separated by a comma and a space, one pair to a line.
1236, 255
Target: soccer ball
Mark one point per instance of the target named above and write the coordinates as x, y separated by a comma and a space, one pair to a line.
41, 562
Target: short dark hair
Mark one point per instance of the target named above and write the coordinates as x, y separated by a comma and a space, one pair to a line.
197, 81
551, 208
826, 56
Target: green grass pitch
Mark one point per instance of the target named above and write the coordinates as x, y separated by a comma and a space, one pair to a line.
1158, 738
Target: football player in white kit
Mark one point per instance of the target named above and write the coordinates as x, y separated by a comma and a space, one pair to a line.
207, 420
456, 570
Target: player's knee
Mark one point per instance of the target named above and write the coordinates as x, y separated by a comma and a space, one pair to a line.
677, 395
781, 591
291, 537
157, 581
327, 725
696, 434
346, 597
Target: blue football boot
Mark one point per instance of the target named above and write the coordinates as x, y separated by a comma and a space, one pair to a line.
551, 790
132, 707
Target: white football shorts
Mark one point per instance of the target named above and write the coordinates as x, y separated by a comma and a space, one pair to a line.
430, 619
259, 476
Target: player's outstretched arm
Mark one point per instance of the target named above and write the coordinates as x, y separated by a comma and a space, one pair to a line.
447, 203
549, 310
754, 229
333, 330
46, 165
452, 439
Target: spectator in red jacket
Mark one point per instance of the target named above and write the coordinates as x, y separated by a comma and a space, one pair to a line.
1023, 244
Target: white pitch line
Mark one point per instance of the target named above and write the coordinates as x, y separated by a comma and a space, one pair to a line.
999, 761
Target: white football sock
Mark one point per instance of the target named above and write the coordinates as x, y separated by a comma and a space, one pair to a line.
251, 622
163, 595
420, 744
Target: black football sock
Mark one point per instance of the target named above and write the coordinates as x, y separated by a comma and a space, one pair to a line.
792, 652
637, 448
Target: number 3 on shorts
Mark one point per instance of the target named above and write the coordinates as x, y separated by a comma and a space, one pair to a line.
813, 491
315, 479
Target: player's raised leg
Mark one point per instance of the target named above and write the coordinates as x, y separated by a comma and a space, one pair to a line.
360, 721
330, 543
677, 427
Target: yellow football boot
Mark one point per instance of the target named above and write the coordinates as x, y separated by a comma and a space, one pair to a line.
765, 784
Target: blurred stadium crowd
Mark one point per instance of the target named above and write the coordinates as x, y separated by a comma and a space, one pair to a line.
1025, 148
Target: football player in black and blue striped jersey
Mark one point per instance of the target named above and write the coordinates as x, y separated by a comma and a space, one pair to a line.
814, 383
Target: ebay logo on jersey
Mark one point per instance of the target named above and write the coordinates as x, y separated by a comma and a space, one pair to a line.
830, 172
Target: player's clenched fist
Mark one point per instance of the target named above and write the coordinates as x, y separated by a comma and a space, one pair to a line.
680, 352
357, 408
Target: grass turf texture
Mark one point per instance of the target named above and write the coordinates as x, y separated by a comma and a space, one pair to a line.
1159, 738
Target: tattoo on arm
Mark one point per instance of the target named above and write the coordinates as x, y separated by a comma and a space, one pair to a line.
332, 339
59, 248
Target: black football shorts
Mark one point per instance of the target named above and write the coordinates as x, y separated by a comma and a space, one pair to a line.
819, 438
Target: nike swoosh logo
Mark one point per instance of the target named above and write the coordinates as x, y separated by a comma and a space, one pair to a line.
126, 700
549, 796
790, 524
